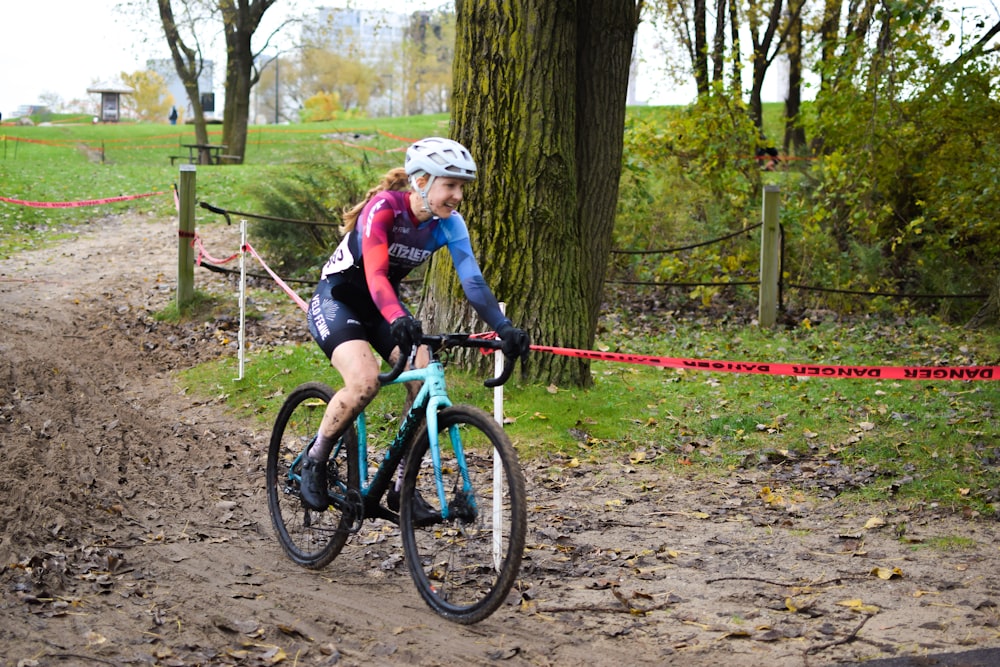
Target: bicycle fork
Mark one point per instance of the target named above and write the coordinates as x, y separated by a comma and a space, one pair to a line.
463, 506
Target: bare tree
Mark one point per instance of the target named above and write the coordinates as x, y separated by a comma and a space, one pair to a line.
240, 19
188, 61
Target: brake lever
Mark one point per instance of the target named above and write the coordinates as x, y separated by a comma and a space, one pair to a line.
508, 370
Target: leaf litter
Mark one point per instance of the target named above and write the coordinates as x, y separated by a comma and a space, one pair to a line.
135, 528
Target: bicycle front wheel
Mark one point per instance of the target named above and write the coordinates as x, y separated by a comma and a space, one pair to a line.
464, 554
311, 539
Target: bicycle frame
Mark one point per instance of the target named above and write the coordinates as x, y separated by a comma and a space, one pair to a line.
433, 396
464, 568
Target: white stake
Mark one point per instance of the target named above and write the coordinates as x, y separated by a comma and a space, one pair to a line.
498, 362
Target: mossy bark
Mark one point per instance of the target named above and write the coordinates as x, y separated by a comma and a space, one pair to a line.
539, 98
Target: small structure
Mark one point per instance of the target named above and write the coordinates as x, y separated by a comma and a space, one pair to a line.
110, 100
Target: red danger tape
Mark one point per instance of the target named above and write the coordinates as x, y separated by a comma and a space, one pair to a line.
803, 370
196, 242
281, 283
74, 204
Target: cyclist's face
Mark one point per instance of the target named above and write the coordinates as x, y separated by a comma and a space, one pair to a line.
445, 195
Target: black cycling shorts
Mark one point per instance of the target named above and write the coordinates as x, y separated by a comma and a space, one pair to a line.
340, 311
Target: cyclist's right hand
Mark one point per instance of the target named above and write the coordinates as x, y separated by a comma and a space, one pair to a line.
406, 332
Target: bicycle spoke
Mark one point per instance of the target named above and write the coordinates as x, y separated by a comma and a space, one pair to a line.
309, 538
465, 563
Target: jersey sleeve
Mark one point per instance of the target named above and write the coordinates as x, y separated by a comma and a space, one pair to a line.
378, 220
474, 285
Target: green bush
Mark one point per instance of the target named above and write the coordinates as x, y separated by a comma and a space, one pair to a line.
317, 192
688, 176
903, 197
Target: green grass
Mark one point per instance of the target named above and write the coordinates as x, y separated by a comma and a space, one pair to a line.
80, 161
917, 443
912, 442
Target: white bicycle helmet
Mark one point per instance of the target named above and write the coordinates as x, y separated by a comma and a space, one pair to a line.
436, 156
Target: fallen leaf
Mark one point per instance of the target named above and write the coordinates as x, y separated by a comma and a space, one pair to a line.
859, 606
886, 573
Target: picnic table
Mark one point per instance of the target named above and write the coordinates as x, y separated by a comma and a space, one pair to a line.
203, 154
206, 153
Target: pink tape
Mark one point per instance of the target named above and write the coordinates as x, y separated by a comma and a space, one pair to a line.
288, 290
75, 204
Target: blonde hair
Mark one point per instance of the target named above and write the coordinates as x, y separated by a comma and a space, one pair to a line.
394, 179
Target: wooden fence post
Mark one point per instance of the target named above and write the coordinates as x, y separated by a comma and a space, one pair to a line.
185, 234
770, 257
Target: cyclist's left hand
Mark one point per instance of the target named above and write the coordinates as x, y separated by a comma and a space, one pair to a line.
516, 342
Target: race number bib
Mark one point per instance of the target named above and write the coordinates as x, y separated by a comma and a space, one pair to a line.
341, 260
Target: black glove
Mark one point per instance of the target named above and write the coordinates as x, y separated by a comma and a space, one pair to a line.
406, 332
516, 342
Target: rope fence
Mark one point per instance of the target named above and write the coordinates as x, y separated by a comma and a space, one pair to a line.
189, 243
965, 373
228, 213
710, 365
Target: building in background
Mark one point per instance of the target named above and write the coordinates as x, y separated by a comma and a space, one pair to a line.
175, 87
374, 38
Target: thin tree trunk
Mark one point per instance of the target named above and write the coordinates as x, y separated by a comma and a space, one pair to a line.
701, 47
188, 62
719, 42
795, 133
736, 84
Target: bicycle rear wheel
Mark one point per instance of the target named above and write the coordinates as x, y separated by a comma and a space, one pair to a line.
311, 539
464, 565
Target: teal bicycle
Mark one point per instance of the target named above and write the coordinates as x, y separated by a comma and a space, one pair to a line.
461, 505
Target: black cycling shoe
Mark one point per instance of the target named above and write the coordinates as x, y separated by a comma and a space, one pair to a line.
313, 485
423, 514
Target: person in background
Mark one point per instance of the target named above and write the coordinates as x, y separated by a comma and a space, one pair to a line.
173, 115
402, 221
766, 154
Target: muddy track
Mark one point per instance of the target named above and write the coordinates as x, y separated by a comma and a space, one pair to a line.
134, 526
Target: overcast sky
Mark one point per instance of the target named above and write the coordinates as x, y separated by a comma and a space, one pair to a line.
62, 47
87, 41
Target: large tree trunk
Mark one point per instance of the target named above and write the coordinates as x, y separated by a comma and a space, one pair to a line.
239, 66
539, 98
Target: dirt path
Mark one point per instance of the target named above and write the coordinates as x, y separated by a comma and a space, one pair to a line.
134, 527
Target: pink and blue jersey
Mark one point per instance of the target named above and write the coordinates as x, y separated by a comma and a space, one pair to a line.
389, 242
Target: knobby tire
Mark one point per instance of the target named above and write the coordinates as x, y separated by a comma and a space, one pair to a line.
311, 539
452, 562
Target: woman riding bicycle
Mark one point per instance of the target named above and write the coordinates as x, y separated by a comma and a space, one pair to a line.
356, 306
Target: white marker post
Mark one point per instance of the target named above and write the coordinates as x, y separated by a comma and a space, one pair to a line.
498, 362
243, 295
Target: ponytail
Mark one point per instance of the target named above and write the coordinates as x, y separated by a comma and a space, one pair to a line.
394, 179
